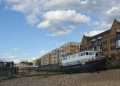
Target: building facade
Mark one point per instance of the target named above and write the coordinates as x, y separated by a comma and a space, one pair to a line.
107, 42
69, 49
45, 59
54, 57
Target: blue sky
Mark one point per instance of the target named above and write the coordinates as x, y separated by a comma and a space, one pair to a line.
30, 28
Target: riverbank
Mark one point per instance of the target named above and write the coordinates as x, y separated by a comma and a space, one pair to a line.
103, 78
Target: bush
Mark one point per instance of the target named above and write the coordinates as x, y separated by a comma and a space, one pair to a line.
112, 64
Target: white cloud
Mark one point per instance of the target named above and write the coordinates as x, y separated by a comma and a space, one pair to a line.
113, 12
60, 13
98, 27
44, 24
55, 21
84, 1
66, 15
12, 58
17, 59
60, 32
17, 55
102, 25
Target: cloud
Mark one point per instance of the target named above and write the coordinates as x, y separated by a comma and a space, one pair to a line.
56, 15
84, 1
17, 59
62, 22
64, 16
13, 58
98, 27
113, 12
60, 32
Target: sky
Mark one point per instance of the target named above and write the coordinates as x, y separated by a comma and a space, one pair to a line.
31, 28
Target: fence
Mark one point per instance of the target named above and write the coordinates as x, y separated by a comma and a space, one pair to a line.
7, 69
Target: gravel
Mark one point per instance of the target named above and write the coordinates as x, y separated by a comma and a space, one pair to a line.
103, 78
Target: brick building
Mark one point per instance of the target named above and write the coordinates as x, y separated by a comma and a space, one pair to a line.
69, 49
45, 60
107, 42
54, 57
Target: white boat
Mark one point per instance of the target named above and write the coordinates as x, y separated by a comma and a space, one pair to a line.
83, 60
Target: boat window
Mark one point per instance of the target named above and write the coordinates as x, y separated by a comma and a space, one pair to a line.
79, 54
82, 54
64, 58
70, 57
96, 54
87, 53
90, 53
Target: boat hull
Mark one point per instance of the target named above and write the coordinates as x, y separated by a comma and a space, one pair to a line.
87, 67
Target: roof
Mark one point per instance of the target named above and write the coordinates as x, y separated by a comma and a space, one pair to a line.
70, 43
107, 31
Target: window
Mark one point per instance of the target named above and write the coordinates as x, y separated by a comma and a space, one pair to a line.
118, 44
118, 36
96, 54
82, 54
118, 40
90, 53
86, 53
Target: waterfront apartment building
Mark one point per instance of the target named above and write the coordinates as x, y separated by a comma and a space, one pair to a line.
44, 60
50, 58
69, 49
54, 57
107, 42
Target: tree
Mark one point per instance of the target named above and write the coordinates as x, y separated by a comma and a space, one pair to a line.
26, 62
38, 62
